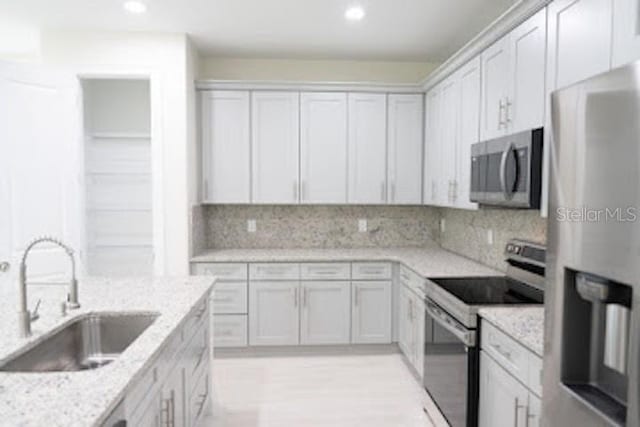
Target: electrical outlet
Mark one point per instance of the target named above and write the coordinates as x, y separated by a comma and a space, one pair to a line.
490, 237
251, 226
442, 225
362, 225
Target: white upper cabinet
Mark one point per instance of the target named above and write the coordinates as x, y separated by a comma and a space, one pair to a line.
469, 80
579, 43
525, 105
449, 134
626, 32
274, 143
432, 147
226, 147
495, 87
367, 148
404, 139
323, 147
513, 80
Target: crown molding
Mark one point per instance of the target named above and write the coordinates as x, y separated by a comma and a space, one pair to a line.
308, 86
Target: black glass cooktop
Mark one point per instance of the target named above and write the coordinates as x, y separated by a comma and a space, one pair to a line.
490, 290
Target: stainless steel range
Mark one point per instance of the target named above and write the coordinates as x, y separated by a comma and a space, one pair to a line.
451, 353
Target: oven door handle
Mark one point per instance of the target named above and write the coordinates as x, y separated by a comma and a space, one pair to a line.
507, 188
468, 337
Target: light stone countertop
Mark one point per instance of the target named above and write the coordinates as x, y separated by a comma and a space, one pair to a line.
86, 398
524, 324
428, 262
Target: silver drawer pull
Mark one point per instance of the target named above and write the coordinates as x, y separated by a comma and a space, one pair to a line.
226, 333
223, 299
501, 352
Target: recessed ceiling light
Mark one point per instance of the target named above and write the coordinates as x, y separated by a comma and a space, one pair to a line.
354, 13
135, 7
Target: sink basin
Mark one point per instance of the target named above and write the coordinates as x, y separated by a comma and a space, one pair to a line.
89, 342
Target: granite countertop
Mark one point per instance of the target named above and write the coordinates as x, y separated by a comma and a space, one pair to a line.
87, 397
428, 262
524, 324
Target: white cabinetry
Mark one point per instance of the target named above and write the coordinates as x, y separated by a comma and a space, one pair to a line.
448, 139
432, 147
513, 80
626, 32
274, 313
325, 315
367, 148
371, 312
226, 147
323, 147
411, 323
510, 381
274, 143
404, 140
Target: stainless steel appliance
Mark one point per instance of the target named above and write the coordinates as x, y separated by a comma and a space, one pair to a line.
507, 171
451, 353
592, 353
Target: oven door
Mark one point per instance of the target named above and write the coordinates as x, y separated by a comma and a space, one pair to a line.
451, 367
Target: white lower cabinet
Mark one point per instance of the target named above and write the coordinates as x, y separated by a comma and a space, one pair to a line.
274, 313
411, 328
371, 312
230, 330
510, 377
163, 394
325, 312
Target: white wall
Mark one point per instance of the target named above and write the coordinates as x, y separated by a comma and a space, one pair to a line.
162, 58
313, 70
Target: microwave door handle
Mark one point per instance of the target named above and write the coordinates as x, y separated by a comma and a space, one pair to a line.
503, 171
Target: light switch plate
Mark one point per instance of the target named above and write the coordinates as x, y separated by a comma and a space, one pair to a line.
362, 225
251, 226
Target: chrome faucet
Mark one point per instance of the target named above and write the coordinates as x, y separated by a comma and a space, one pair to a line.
24, 316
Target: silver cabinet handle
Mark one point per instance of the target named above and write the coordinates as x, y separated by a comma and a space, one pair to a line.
4, 266
501, 108
507, 110
529, 415
411, 310
517, 408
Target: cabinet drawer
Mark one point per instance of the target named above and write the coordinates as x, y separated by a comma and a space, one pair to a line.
222, 271
325, 271
274, 271
506, 351
535, 373
230, 330
229, 298
410, 279
371, 270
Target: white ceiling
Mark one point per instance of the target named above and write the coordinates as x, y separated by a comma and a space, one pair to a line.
423, 30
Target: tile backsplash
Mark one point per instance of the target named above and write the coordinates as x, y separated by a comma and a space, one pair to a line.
319, 226
465, 232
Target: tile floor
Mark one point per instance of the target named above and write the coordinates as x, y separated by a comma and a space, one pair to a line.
300, 390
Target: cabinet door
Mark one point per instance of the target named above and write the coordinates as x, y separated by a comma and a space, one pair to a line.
534, 410
273, 313
418, 335
432, 147
626, 32
404, 138
274, 143
405, 323
579, 43
323, 148
367, 148
149, 416
527, 52
326, 312
174, 398
448, 141
503, 400
469, 80
225, 147
495, 88
371, 312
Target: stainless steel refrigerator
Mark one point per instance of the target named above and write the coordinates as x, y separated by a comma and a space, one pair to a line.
592, 326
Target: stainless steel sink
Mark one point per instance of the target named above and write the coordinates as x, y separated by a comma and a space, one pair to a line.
89, 342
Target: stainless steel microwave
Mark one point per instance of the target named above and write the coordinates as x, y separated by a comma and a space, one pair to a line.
507, 171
